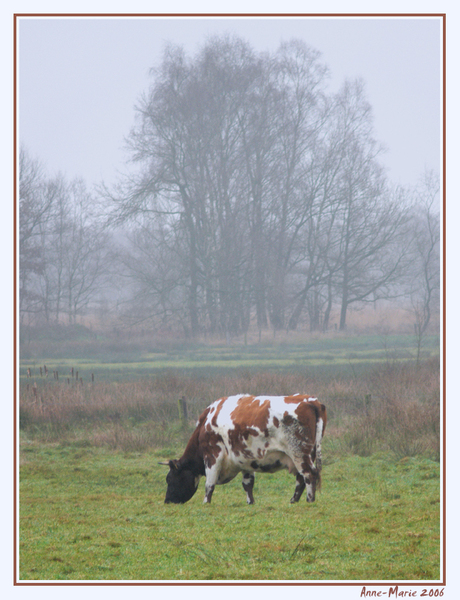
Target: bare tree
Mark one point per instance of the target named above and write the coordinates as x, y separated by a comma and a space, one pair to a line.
425, 254
85, 257
53, 239
152, 266
303, 112
187, 143
62, 245
267, 191
35, 201
370, 224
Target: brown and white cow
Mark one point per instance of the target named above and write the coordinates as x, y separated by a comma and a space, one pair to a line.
251, 434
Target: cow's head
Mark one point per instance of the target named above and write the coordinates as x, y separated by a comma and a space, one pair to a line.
182, 482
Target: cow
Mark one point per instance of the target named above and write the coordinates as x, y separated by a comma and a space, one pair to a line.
251, 434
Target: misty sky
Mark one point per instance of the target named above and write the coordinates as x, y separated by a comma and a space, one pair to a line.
80, 78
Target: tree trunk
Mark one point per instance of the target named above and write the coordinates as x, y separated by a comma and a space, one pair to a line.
327, 312
344, 305
294, 319
192, 263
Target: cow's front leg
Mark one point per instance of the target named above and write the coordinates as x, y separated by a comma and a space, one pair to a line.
208, 493
211, 481
299, 488
248, 485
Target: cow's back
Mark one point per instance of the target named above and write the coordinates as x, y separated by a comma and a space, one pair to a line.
261, 413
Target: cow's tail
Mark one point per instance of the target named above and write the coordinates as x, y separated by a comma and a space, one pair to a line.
321, 419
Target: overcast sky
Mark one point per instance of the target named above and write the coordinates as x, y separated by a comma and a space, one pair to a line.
80, 78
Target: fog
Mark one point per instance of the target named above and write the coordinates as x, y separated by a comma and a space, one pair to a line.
260, 185
80, 78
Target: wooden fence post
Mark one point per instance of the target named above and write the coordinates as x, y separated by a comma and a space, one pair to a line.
182, 406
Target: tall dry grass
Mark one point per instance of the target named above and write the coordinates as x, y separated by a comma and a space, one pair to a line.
394, 409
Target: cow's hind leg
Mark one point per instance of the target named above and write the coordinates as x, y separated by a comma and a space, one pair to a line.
299, 488
310, 481
307, 470
248, 485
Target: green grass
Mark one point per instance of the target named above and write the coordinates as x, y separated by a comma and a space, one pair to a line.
318, 356
89, 513
91, 490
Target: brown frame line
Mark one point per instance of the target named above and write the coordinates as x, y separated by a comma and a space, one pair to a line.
16, 16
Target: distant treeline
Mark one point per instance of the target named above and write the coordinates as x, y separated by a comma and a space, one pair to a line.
256, 197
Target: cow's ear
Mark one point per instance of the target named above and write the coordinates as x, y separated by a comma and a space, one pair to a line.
173, 465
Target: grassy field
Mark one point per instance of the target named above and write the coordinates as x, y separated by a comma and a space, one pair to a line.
92, 514
92, 492
319, 355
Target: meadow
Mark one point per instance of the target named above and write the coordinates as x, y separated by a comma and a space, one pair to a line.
92, 491
118, 359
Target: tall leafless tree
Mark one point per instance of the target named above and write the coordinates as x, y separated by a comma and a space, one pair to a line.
265, 191
63, 247
425, 273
